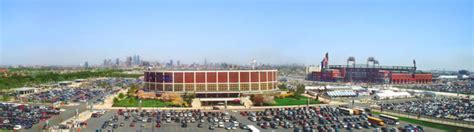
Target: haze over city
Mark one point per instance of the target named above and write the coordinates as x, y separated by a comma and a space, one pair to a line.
437, 33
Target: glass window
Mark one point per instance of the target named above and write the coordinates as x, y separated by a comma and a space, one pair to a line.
178, 87
255, 87
223, 87
244, 87
189, 87
200, 87
211, 87
168, 87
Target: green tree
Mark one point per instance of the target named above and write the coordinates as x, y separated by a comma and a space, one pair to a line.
300, 88
283, 87
188, 98
6, 97
121, 96
116, 100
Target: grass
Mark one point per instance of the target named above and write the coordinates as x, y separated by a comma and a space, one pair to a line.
145, 103
443, 127
293, 100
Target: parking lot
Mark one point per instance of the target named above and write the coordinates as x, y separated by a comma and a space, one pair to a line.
442, 107
116, 121
20, 116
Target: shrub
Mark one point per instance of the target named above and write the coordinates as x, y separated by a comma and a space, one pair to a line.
257, 99
269, 99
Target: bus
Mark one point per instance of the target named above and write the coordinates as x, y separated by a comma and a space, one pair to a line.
346, 111
375, 120
358, 111
389, 119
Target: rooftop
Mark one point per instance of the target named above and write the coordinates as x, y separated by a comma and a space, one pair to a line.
216, 70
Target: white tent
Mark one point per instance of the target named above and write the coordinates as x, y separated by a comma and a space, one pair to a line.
388, 94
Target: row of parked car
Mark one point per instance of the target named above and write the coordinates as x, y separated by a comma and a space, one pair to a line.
64, 95
310, 119
185, 118
449, 108
20, 116
462, 86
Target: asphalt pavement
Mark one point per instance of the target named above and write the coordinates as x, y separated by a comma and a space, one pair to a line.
94, 125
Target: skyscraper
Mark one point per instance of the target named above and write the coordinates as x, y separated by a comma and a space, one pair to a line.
117, 62
128, 62
86, 65
104, 63
136, 60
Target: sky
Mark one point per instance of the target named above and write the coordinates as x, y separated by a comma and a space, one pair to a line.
438, 34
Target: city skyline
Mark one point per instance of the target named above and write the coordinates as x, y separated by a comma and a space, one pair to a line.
437, 34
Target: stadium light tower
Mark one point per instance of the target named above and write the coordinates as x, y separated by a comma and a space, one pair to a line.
370, 59
351, 60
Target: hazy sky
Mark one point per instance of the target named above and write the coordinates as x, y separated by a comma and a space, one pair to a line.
437, 33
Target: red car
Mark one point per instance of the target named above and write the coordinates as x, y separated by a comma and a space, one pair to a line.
120, 112
132, 124
158, 125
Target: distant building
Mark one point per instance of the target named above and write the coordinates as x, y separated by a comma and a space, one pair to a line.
117, 62
65, 83
136, 60
86, 65
311, 69
25, 90
371, 72
3, 70
128, 61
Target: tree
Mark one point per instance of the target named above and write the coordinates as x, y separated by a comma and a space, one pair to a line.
116, 100
267, 99
178, 101
133, 89
257, 99
188, 98
6, 97
121, 96
300, 88
283, 87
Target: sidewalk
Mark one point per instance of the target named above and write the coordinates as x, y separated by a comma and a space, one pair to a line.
322, 99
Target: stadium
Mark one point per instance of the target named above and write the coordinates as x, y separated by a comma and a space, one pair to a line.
212, 83
369, 72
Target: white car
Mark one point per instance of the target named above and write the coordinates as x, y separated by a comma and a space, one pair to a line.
17, 127
221, 124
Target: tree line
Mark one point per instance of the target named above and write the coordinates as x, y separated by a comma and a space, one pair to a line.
15, 81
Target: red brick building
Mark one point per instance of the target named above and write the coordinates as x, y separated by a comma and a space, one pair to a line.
231, 81
406, 78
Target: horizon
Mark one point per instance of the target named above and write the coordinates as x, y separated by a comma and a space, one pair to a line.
437, 34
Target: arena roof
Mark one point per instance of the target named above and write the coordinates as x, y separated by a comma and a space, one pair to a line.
210, 70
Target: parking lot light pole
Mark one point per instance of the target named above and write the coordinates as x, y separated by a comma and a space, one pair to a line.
140, 104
